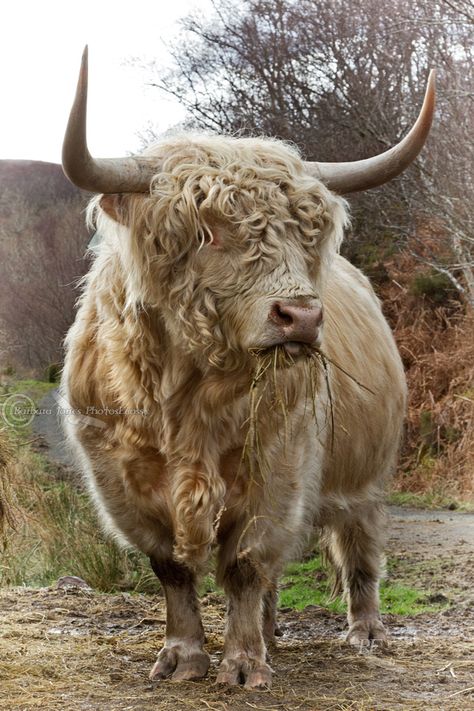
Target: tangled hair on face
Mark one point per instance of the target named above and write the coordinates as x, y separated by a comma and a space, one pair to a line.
257, 189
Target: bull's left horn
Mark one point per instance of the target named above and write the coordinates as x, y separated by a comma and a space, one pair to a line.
105, 175
356, 175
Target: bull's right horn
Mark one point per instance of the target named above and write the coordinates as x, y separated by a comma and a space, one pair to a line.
104, 175
369, 173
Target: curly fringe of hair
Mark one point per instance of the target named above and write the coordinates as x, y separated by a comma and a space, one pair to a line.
198, 497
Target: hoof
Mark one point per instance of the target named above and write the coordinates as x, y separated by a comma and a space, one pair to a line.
367, 633
252, 673
180, 664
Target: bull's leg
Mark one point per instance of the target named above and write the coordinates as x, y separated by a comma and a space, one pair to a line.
244, 647
270, 624
356, 551
183, 656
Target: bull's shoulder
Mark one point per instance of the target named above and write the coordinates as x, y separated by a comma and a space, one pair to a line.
347, 278
356, 333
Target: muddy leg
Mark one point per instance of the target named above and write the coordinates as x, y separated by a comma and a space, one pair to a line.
356, 548
183, 656
244, 647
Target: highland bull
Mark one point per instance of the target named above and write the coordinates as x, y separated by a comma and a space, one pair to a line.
216, 253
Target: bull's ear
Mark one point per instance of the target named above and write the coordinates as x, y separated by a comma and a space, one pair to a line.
116, 207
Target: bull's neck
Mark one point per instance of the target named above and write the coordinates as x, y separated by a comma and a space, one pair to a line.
158, 373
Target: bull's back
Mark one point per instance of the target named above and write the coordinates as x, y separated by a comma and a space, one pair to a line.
368, 401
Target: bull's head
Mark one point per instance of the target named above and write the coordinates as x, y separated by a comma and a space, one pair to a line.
231, 237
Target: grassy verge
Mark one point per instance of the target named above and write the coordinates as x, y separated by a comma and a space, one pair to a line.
36, 389
25, 395
431, 500
56, 531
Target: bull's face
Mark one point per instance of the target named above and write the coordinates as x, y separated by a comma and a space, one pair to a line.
260, 275
235, 257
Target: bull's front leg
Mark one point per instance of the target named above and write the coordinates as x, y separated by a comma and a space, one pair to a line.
182, 657
244, 658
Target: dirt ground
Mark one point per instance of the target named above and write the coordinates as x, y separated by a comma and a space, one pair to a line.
70, 648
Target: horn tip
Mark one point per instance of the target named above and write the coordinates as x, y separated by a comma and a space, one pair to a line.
431, 84
85, 57
430, 95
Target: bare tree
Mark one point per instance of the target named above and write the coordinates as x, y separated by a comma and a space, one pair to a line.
343, 80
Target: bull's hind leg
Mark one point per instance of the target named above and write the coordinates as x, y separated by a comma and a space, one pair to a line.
270, 624
182, 657
244, 647
356, 551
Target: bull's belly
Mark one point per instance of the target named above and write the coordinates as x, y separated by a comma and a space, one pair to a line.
132, 489
303, 483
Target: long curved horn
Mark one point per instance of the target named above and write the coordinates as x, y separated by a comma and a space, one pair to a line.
105, 175
356, 175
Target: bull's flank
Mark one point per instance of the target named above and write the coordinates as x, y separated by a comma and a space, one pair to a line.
235, 385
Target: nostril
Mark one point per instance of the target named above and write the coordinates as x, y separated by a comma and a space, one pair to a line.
279, 315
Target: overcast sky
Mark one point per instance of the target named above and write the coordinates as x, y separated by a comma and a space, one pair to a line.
41, 43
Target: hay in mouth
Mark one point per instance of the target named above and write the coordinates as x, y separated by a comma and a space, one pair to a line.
268, 386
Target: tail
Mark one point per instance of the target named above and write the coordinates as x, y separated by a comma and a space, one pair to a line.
337, 588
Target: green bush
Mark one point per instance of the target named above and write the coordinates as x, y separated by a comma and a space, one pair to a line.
53, 373
434, 286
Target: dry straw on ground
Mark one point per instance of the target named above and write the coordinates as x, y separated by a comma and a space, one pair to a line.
74, 649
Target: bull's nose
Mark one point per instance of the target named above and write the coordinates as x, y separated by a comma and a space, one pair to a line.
297, 322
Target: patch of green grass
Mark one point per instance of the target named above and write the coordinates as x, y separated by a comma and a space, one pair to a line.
35, 389
308, 583
57, 533
430, 500
402, 600
209, 585
429, 576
